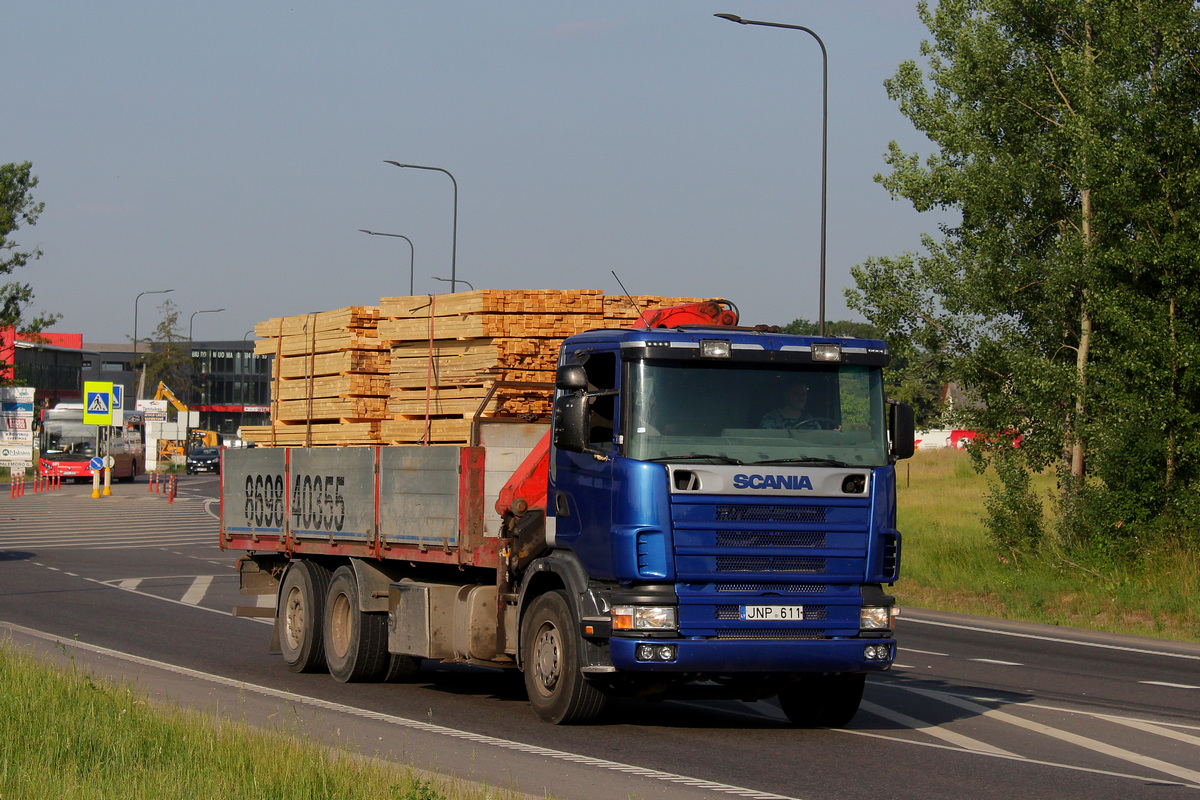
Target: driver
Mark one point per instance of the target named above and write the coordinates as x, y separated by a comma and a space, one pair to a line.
794, 412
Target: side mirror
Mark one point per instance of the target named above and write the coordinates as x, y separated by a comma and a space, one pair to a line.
903, 431
571, 422
571, 378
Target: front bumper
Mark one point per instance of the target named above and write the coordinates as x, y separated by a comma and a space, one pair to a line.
732, 656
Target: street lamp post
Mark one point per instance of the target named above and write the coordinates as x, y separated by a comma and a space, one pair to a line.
824, 135
412, 254
142, 378
454, 239
135, 305
192, 319
460, 280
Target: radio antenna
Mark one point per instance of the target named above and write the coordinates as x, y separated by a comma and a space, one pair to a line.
627, 295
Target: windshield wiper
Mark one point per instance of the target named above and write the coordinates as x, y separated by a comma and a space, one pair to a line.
698, 457
829, 462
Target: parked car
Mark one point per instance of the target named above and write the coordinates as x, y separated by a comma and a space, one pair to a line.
204, 459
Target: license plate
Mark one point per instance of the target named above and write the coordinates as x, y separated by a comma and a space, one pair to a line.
772, 613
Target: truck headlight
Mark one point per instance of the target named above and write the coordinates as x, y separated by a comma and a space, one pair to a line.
876, 618
644, 618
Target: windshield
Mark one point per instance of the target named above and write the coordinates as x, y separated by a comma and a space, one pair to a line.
61, 437
756, 413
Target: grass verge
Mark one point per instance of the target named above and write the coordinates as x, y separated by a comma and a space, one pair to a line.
950, 563
72, 736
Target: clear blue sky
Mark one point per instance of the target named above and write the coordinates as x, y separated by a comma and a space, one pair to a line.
233, 150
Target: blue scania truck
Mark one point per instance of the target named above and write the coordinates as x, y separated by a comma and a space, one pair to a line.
711, 512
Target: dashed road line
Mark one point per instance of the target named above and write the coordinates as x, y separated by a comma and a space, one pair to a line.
197, 590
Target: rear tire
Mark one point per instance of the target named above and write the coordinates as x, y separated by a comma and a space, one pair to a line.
300, 614
355, 641
402, 668
550, 643
823, 701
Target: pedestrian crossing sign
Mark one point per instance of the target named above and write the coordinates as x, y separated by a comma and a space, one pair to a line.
97, 402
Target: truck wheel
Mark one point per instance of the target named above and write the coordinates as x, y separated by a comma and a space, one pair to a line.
402, 668
823, 701
301, 601
557, 689
355, 641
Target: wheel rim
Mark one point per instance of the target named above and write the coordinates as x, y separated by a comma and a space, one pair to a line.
293, 618
546, 659
339, 625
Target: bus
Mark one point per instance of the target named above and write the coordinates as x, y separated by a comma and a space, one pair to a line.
67, 445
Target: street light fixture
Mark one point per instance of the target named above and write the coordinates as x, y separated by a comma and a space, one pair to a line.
412, 254
454, 239
135, 304
192, 319
824, 134
460, 280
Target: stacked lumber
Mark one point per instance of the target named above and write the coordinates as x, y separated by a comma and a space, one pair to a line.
449, 350
329, 378
417, 369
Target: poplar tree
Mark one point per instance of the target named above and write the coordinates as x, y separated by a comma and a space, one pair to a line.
18, 209
1065, 137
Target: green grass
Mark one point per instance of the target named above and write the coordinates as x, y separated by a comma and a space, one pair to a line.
69, 735
950, 564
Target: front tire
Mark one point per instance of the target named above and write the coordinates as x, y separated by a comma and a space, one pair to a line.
557, 689
823, 701
355, 641
299, 616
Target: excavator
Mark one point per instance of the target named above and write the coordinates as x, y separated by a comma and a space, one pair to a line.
196, 436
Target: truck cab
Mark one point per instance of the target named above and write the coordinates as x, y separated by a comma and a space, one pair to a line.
720, 510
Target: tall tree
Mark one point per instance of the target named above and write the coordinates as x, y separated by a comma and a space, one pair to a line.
18, 208
1066, 138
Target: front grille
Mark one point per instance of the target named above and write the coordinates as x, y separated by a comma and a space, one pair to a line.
740, 513
803, 564
767, 588
750, 633
811, 613
770, 539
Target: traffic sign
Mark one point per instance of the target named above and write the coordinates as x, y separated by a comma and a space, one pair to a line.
97, 402
96, 464
118, 396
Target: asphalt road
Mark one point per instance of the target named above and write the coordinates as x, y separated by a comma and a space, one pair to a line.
136, 587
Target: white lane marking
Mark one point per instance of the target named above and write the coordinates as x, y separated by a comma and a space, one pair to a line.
1141, 779
1170, 685
1157, 730
936, 731
924, 652
197, 590
130, 583
1055, 639
1082, 741
996, 661
478, 738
